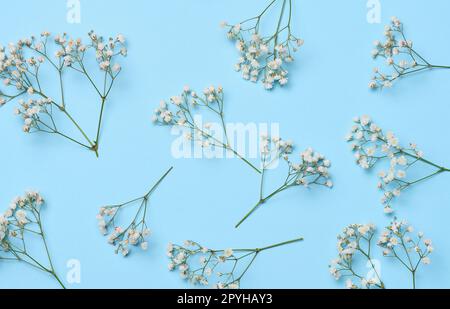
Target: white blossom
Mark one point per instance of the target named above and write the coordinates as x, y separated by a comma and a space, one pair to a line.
263, 57
372, 146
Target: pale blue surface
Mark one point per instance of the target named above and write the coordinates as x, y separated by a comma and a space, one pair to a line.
177, 42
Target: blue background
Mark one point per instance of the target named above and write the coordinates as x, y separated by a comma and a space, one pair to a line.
178, 42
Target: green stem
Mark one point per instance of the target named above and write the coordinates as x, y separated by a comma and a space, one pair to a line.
243, 159
439, 66
63, 109
97, 139
62, 89
262, 201
71, 139
443, 169
278, 27
261, 184
281, 244
52, 269
247, 267
57, 279
78, 127
249, 213
259, 250
157, 183
367, 255
427, 177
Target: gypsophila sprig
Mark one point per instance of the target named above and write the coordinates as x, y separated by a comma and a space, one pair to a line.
21, 227
181, 111
311, 170
23, 70
265, 57
399, 55
399, 243
200, 265
136, 232
371, 146
355, 240
396, 241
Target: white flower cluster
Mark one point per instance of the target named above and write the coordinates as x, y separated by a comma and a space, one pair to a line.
30, 112
14, 220
105, 51
258, 60
313, 168
355, 240
135, 234
200, 265
275, 147
197, 264
264, 57
184, 106
20, 71
371, 145
72, 51
16, 68
397, 238
396, 242
399, 55
20, 228
183, 111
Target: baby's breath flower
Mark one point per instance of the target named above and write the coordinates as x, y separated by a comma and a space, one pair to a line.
21, 72
399, 55
136, 232
311, 170
371, 145
20, 227
180, 110
200, 266
355, 240
398, 243
264, 57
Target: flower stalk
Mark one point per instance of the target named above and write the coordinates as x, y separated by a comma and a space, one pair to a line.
264, 57
399, 54
136, 232
20, 223
183, 116
372, 146
200, 265
356, 240
21, 70
396, 242
311, 171
399, 244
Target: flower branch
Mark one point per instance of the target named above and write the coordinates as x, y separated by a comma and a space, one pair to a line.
20, 225
371, 146
312, 170
21, 71
136, 232
410, 252
400, 55
182, 114
264, 56
356, 239
200, 265
397, 243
